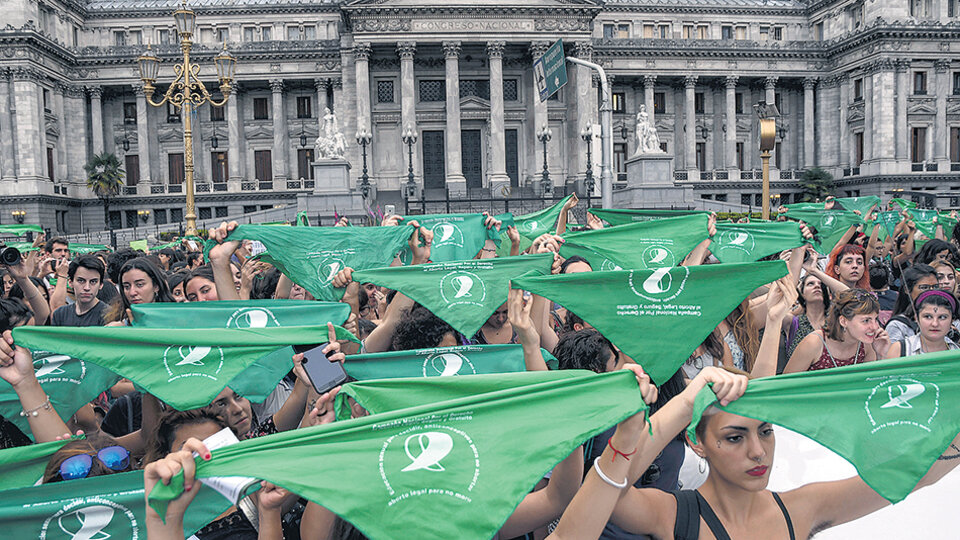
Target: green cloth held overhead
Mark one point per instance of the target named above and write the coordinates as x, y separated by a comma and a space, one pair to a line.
302, 219
456, 237
435, 469
888, 221
464, 294
20, 230
861, 204
830, 225
69, 382
88, 248
948, 223
312, 256
657, 317
140, 245
23, 466
924, 220
184, 367
748, 242
804, 206
440, 362
617, 216
890, 419
903, 203
530, 226
22, 247
650, 244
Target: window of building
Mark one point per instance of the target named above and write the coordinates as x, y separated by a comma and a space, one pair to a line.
136, 37
956, 83
721, 197
46, 100
159, 216
663, 31
918, 144
778, 102
778, 33
131, 218
703, 31
858, 148
431, 91
740, 162
746, 199
261, 108
698, 103
620, 160
175, 168
249, 208
555, 96
176, 215
204, 212
475, 87
609, 30
649, 30
216, 113
219, 167
119, 38
173, 113
738, 103
293, 33
223, 35
511, 90
764, 33
309, 31
706, 196
305, 163
955, 144
619, 102
76, 37
758, 199
386, 92
818, 31
856, 15
688, 31
952, 8
919, 82
920, 8
164, 36
220, 211
206, 35
726, 32
266, 33
248, 33
623, 31
131, 168
858, 89
304, 107
51, 168
778, 155
741, 32
263, 165
702, 156
663, 146
129, 113
659, 102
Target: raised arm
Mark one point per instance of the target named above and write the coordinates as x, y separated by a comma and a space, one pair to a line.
781, 296
16, 368
562, 219
220, 261
519, 305
39, 306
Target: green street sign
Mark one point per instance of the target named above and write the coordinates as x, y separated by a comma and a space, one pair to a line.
550, 71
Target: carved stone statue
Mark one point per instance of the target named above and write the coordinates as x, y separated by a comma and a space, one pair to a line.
330, 144
648, 141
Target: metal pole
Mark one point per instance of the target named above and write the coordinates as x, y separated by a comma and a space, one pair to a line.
606, 134
765, 158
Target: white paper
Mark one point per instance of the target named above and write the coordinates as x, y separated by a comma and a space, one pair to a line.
231, 487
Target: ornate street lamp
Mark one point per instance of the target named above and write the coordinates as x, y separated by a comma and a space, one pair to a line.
214, 141
19, 215
363, 139
410, 138
544, 134
187, 92
587, 136
303, 135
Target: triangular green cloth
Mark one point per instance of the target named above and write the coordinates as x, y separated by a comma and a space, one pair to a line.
861, 204
23, 466
830, 225
88, 248
923, 219
650, 244
464, 294
617, 216
903, 203
888, 221
456, 237
440, 362
20, 230
436, 469
748, 242
657, 317
530, 226
890, 419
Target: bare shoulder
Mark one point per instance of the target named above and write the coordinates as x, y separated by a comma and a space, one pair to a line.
821, 505
646, 511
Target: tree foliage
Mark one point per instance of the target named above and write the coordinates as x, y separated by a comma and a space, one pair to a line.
104, 178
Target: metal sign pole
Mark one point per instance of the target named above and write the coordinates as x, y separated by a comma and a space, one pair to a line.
606, 134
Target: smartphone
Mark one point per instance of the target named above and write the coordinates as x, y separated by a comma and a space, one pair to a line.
323, 374
389, 209
192, 244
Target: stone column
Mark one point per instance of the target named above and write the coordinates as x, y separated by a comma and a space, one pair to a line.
96, 117
883, 112
75, 106
234, 135
456, 182
279, 153
842, 106
408, 96
868, 116
30, 150
8, 169
59, 90
689, 122
337, 84
498, 161
585, 98
322, 105
809, 154
361, 53
940, 130
730, 118
649, 81
537, 50
902, 135
143, 134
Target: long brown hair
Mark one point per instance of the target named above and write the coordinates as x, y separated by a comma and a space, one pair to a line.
747, 337
160, 442
849, 304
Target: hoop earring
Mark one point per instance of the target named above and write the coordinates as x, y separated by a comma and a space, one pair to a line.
702, 465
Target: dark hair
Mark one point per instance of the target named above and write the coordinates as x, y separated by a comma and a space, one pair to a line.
170, 253
117, 259
571, 260
12, 314
161, 440
849, 304
365, 326
204, 272
175, 279
48, 247
90, 262
192, 256
265, 286
911, 275
823, 288
928, 253
419, 328
570, 322
119, 307
89, 446
16, 292
179, 266
879, 277
584, 349
937, 298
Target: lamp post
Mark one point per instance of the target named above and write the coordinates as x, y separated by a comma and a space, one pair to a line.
587, 136
187, 92
544, 135
410, 138
767, 113
363, 139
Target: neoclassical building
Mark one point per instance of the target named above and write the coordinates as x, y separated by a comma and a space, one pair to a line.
868, 90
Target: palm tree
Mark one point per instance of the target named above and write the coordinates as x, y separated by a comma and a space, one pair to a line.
817, 185
104, 178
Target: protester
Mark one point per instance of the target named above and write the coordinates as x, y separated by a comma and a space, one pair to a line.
86, 278
917, 279
141, 283
935, 311
847, 264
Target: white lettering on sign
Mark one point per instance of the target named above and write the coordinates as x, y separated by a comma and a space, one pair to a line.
472, 26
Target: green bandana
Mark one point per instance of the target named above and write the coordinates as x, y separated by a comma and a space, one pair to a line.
302, 219
948, 224
312, 256
455, 468
23, 466
616, 217
185, 368
530, 226
748, 242
651, 244
862, 204
923, 219
831, 225
70, 383
456, 237
890, 419
20, 230
23, 247
88, 248
903, 203
464, 294
657, 317
888, 223
440, 362
804, 206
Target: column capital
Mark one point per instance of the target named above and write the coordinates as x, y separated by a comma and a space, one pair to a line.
451, 49
690, 81
336, 83
538, 48
495, 49
942, 65
74, 91
649, 80
25, 74
138, 90
730, 82
362, 50
809, 83
406, 49
321, 84
583, 50
901, 65
276, 85
95, 92
770, 82
6, 74
60, 88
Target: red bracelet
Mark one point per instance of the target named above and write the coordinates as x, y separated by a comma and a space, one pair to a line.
617, 452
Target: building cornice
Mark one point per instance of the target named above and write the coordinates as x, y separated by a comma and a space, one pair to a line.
218, 11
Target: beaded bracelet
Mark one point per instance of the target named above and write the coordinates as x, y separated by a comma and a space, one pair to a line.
605, 478
36, 411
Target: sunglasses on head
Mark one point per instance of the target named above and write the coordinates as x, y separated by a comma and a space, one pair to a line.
115, 458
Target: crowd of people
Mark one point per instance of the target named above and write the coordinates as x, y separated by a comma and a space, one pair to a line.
874, 296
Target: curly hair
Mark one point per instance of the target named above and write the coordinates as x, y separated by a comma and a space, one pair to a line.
849, 304
419, 329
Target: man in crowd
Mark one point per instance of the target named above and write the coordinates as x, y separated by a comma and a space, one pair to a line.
85, 275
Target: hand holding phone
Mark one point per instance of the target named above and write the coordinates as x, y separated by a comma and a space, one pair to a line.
323, 373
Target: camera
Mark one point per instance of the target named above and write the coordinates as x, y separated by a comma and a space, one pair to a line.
9, 256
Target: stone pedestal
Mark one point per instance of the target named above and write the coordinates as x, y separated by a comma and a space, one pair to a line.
332, 193
457, 185
500, 187
650, 184
331, 176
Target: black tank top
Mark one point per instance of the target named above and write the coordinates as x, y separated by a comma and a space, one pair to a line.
691, 506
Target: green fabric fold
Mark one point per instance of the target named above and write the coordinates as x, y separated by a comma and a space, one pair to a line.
616, 216
645, 245
440, 362
456, 237
830, 225
748, 242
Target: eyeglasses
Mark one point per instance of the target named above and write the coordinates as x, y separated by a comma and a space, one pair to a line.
115, 458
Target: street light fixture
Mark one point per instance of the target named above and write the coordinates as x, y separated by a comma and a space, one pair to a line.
214, 141
303, 135
544, 135
187, 92
587, 136
144, 215
410, 138
19, 215
767, 114
364, 138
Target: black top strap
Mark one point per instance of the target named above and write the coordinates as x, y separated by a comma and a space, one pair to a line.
711, 519
786, 515
687, 524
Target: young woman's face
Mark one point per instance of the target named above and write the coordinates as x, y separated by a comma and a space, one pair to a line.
138, 287
178, 294
812, 290
739, 450
934, 322
235, 270
201, 290
942, 256
577, 268
926, 283
8, 282
850, 268
946, 278
861, 327
235, 411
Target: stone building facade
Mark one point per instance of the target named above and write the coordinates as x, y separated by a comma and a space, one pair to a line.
868, 90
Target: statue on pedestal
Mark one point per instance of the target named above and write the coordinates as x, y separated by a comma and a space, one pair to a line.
648, 141
330, 144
